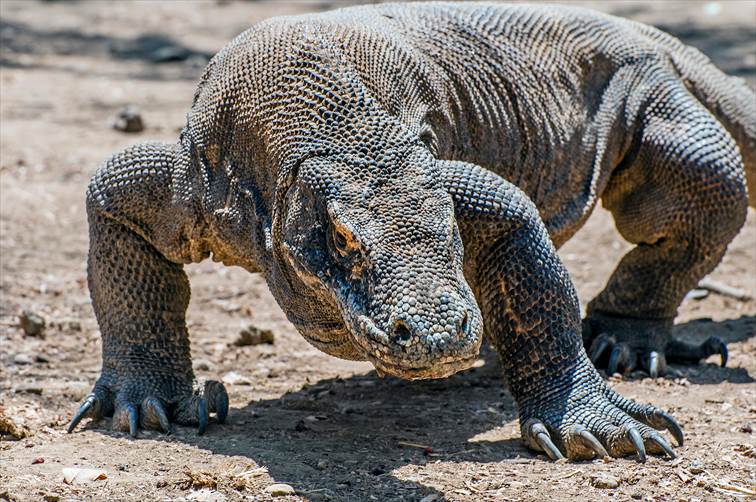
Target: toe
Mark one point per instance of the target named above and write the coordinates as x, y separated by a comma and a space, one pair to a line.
193, 411
154, 416
622, 359
126, 418
217, 399
583, 444
538, 438
655, 363
600, 348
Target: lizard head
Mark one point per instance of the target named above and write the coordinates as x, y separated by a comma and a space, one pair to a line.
377, 241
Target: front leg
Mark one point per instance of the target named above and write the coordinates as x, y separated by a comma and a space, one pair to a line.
532, 317
139, 235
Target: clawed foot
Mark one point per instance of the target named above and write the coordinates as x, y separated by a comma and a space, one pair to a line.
623, 345
588, 419
153, 406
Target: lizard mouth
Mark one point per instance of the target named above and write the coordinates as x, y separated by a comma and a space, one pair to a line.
437, 370
375, 344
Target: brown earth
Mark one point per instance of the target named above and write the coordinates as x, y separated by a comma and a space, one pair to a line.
331, 429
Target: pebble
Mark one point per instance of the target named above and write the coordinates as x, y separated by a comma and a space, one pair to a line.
252, 335
280, 490
203, 365
322, 465
234, 378
33, 324
23, 359
206, 495
696, 467
79, 476
604, 481
128, 119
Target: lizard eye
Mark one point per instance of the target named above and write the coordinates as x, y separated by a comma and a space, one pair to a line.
341, 241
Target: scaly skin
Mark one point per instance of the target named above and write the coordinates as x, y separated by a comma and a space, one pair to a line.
352, 157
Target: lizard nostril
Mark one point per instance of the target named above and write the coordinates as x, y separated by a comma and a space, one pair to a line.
402, 332
464, 326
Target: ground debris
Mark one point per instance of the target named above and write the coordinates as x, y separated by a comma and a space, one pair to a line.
206, 495
198, 480
747, 450
603, 480
234, 378
81, 476
280, 490
252, 335
32, 323
10, 427
128, 119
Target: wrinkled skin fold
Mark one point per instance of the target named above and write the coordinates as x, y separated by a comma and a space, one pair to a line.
404, 200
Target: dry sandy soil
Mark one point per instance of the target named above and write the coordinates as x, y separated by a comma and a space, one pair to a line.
331, 429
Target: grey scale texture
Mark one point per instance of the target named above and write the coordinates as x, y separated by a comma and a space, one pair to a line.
402, 176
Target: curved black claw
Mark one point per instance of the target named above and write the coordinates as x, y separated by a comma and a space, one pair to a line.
637, 440
715, 345
154, 415
622, 357
662, 443
538, 434
87, 407
661, 420
656, 363
599, 346
203, 416
589, 441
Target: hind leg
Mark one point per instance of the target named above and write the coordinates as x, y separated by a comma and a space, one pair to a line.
681, 200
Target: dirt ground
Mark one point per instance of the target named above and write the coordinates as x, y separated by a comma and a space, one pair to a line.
329, 428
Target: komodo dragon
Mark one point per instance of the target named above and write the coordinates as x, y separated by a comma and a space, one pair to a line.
351, 156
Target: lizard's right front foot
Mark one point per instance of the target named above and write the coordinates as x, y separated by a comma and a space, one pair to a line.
153, 401
578, 416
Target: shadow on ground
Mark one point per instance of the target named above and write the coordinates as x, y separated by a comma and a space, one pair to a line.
342, 438
730, 331
18, 39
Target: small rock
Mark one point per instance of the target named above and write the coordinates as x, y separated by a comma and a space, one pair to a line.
234, 378
32, 324
636, 495
252, 335
203, 365
322, 464
430, 498
51, 497
38, 460
603, 480
23, 359
41, 358
206, 495
280, 490
696, 467
747, 428
128, 119
79, 476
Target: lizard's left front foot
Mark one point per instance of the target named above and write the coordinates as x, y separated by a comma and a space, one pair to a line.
622, 344
580, 417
